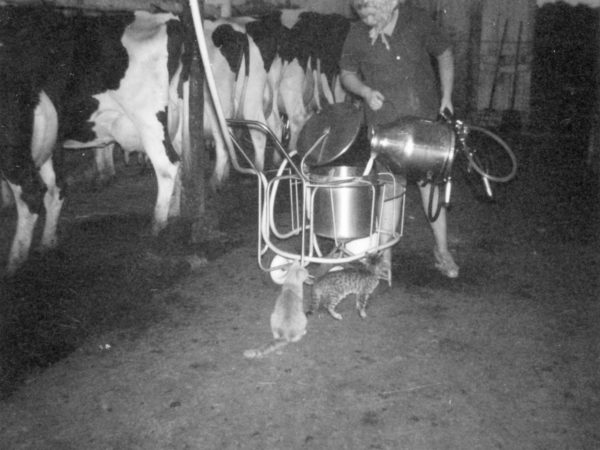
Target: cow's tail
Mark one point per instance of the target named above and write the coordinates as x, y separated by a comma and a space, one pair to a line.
238, 112
317, 82
324, 83
308, 90
269, 105
221, 169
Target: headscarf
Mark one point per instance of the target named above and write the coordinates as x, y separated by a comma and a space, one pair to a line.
379, 13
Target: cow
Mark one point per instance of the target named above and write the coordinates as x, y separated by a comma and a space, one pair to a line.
241, 70
80, 81
281, 63
299, 51
310, 52
245, 88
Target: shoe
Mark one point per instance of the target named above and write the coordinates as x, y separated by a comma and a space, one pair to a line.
445, 264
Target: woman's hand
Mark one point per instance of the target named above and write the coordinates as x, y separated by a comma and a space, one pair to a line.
446, 104
374, 99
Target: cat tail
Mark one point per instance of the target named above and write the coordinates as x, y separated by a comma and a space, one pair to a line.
255, 353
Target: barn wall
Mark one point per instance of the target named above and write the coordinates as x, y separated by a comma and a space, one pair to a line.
512, 74
476, 27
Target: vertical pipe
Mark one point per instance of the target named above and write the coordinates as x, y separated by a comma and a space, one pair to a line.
210, 79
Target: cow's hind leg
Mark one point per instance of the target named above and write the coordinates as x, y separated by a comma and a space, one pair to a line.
6, 196
165, 176
105, 164
27, 216
29, 192
53, 201
166, 166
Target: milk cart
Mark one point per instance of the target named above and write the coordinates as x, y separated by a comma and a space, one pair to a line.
316, 212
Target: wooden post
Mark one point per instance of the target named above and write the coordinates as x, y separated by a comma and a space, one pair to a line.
194, 198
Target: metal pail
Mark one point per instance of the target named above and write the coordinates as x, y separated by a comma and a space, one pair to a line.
345, 202
419, 148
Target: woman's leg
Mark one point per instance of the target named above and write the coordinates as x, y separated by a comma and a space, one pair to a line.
443, 259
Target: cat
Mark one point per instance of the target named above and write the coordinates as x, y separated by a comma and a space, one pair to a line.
288, 321
333, 287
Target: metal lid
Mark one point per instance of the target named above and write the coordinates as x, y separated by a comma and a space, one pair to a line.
341, 122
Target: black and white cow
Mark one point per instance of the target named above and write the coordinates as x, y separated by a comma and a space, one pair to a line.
86, 81
292, 69
310, 52
241, 63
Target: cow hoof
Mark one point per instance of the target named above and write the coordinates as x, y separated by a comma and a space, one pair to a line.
216, 184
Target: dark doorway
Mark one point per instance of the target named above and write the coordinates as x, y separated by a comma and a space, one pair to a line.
564, 69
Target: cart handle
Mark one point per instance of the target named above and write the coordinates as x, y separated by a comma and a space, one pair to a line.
265, 129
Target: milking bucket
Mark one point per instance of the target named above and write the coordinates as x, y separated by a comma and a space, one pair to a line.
419, 148
345, 202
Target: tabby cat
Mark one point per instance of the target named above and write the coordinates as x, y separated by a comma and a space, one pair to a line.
333, 287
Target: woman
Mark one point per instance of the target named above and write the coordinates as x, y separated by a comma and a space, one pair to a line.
386, 61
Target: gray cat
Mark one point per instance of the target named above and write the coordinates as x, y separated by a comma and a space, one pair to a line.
288, 321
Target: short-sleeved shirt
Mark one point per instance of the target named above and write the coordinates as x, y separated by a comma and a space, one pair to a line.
404, 74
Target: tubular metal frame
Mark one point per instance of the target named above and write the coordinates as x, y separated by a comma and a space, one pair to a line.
302, 191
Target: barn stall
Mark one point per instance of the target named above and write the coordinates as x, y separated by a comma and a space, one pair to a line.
118, 341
